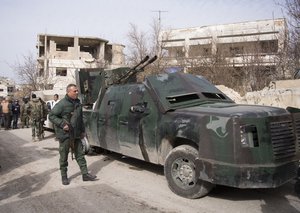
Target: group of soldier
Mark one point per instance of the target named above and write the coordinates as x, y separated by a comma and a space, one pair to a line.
67, 117
32, 113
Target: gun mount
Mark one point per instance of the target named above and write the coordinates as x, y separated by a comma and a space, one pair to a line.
133, 71
94, 82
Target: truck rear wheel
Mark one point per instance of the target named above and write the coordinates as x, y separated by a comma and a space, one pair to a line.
181, 174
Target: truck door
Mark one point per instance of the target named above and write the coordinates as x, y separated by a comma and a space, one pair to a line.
89, 83
129, 122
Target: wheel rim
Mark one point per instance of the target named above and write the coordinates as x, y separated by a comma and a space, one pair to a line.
183, 173
85, 145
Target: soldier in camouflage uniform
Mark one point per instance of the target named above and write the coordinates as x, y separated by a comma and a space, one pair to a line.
67, 118
44, 116
36, 116
25, 113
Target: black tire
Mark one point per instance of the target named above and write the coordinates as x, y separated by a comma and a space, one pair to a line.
180, 173
85, 145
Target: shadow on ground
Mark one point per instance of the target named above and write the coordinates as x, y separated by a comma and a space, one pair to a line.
15, 152
25, 185
272, 200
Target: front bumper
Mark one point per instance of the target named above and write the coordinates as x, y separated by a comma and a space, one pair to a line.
246, 176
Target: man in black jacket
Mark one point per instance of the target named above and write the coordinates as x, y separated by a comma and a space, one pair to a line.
15, 113
67, 117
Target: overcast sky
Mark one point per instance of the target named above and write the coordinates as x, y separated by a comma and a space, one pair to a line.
22, 20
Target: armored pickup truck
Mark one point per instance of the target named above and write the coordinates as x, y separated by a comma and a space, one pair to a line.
183, 122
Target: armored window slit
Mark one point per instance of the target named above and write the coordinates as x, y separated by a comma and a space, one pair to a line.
182, 98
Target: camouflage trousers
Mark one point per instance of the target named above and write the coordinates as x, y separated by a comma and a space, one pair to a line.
64, 149
25, 121
37, 128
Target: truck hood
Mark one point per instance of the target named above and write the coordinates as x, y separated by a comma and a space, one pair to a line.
231, 109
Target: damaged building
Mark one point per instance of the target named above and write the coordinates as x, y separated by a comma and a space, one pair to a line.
259, 46
59, 57
7, 87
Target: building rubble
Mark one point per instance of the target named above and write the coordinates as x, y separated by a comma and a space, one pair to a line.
282, 94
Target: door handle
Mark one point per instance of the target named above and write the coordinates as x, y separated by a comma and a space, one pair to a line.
123, 122
101, 120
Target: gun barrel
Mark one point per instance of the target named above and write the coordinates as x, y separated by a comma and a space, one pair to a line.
149, 62
134, 70
152, 59
142, 61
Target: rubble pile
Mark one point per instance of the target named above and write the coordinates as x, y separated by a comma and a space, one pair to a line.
279, 94
235, 96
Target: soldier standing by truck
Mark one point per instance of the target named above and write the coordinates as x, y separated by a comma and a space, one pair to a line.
44, 116
25, 112
68, 120
36, 115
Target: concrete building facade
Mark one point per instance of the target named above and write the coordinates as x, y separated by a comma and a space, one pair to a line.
252, 43
7, 87
59, 57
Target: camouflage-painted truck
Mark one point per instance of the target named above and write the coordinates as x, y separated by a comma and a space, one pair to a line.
183, 122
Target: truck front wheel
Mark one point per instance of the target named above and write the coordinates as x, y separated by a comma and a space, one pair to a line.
85, 145
181, 174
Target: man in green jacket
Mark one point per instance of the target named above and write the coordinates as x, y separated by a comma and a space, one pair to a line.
67, 117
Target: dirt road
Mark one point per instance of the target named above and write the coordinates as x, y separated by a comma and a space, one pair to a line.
30, 182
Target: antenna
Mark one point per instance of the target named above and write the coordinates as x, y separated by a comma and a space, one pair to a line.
159, 14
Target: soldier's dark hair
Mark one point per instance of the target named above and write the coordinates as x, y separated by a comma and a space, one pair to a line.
69, 86
56, 95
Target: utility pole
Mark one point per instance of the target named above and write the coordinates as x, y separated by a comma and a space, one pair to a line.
159, 14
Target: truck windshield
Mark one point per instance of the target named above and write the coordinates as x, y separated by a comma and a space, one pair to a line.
177, 90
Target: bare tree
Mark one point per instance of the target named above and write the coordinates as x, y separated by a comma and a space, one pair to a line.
138, 45
142, 44
30, 75
292, 8
27, 71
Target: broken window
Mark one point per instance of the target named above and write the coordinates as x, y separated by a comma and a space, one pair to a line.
41, 51
10, 89
108, 53
90, 46
200, 50
269, 46
49, 86
234, 51
90, 49
41, 72
175, 52
62, 47
61, 72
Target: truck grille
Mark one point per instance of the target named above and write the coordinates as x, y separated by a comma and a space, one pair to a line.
297, 131
283, 140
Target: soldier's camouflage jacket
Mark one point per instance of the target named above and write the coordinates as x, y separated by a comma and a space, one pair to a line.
67, 111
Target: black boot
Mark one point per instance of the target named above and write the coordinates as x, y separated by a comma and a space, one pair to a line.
65, 180
88, 177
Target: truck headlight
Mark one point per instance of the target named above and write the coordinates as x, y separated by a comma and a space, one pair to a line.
249, 136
